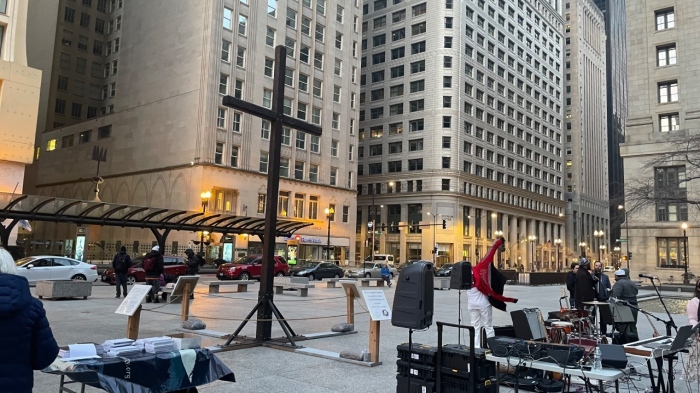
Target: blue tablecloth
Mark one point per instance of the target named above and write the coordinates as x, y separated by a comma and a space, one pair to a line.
146, 373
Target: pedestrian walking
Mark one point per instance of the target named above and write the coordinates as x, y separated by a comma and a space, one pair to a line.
153, 266
121, 264
192, 263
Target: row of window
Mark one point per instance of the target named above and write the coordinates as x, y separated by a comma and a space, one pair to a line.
298, 205
101, 4
83, 137
101, 26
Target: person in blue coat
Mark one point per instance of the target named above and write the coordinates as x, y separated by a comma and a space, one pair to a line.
26, 340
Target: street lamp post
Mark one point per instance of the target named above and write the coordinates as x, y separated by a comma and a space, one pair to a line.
532, 239
627, 234
329, 213
557, 243
601, 250
616, 250
205, 203
498, 234
583, 248
598, 235
686, 280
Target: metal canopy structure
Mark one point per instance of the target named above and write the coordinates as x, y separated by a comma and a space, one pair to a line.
61, 210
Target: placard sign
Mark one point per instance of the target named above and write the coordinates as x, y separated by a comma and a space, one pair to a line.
133, 300
377, 305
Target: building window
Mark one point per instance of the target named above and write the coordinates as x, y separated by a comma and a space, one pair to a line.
298, 205
670, 252
228, 15
67, 141
234, 156
666, 55
84, 137
668, 92
240, 57
334, 177
445, 184
265, 130
264, 158
219, 153
270, 37
670, 193
242, 24
665, 19
261, 203
283, 204
221, 118
223, 84
267, 98
104, 132
300, 140
299, 170
313, 173
313, 207
669, 122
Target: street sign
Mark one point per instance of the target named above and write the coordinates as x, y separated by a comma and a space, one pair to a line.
623, 240
378, 233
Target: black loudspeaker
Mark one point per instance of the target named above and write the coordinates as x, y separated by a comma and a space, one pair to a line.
413, 299
528, 324
613, 356
461, 276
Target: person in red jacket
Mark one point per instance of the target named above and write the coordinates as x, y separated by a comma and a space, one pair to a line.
26, 340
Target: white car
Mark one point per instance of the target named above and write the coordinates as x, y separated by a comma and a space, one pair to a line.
47, 267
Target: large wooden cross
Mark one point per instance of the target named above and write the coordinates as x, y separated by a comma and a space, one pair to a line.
265, 306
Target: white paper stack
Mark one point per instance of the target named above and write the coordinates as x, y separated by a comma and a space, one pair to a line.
157, 344
120, 347
78, 352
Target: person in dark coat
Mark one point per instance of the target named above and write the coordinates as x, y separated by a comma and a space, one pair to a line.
26, 340
585, 285
571, 283
192, 263
602, 289
625, 290
153, 275
121, 264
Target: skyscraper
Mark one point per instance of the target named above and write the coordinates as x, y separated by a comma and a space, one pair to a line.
19, 99
585, 128
616, 72
664, 117
149, 77
461, 116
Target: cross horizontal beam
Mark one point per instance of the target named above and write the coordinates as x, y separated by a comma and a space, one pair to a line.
269, 115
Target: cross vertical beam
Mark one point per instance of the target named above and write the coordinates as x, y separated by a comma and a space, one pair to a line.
265, 307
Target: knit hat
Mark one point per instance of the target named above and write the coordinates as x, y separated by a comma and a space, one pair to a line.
620, 273
123, 249
584, 262
155, 248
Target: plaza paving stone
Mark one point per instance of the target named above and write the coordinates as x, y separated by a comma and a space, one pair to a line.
272, 370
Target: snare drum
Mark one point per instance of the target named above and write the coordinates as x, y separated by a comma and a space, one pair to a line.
567, 327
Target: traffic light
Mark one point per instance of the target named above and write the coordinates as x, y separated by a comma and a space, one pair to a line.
630, 256
444, 224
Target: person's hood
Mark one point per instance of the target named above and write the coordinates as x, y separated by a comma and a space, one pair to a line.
14, 294
189, 252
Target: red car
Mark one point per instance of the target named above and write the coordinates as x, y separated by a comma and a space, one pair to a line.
174, 267
249, 267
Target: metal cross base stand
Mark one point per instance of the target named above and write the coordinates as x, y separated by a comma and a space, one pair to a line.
262, 302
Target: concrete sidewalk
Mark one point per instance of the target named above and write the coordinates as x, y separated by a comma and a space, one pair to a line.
272, 370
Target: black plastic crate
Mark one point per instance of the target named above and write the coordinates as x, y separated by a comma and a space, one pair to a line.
419, 371
420, 353
453, 384
416, 385
456, 356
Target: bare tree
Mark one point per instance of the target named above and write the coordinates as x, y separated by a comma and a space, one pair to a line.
656, 185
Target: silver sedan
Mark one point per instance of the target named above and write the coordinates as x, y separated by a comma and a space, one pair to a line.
48, 267
369, 269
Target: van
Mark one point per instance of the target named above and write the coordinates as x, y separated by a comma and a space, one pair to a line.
383, 258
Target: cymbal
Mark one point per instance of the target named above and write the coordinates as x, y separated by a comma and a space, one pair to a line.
595, 303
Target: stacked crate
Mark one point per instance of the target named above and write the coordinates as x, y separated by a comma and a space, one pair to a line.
457, 373
416, 367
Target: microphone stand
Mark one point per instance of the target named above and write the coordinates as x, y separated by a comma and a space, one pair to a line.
670, 324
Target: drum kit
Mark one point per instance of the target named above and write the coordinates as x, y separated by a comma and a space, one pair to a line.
574, 325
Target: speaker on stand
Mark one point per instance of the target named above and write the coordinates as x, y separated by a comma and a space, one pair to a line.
413, 301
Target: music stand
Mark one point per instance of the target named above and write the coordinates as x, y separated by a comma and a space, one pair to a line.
620, 317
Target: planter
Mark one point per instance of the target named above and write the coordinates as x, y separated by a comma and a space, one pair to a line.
63, 289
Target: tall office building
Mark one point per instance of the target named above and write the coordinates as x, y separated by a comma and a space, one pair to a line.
586, 123
19, 99
145, 81
461, 116
664, 109
616, 78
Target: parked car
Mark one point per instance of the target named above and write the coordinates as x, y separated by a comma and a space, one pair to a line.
250, 266
369, 269
407, 263
47, 267
317, 270
173, 267
609, 269
383, 258
444, 270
